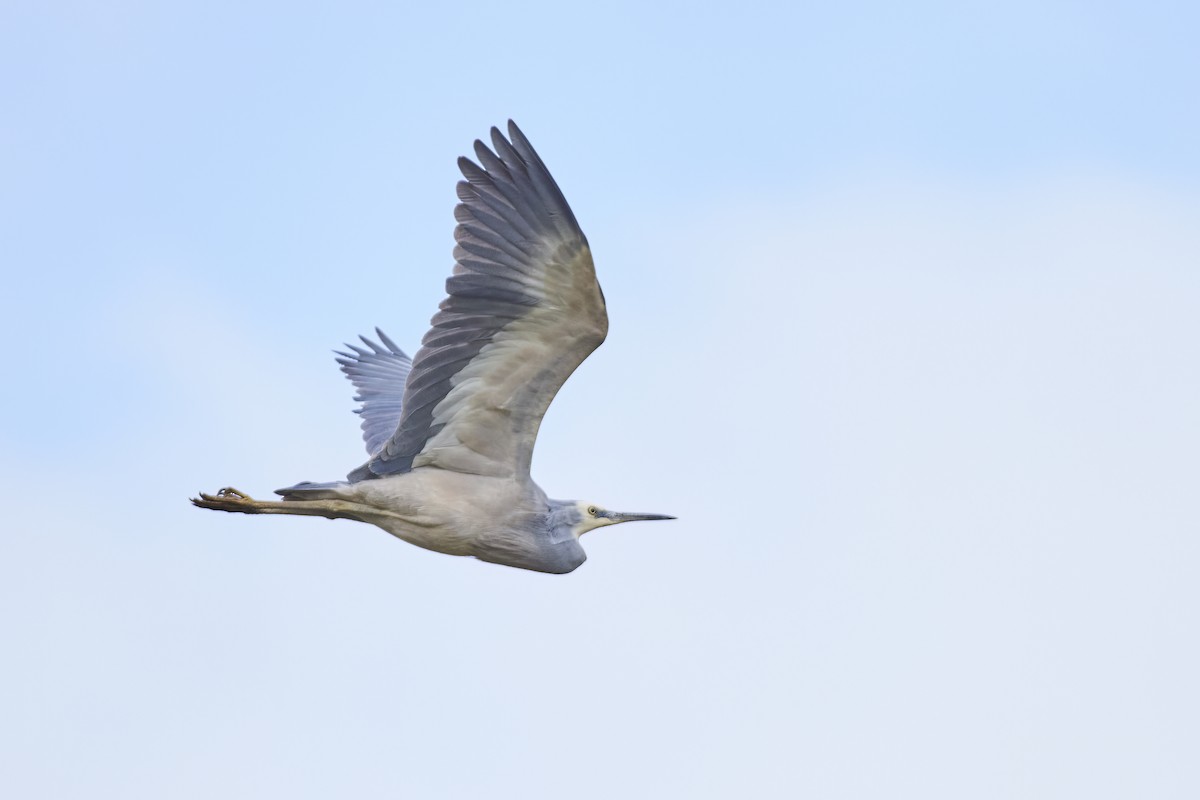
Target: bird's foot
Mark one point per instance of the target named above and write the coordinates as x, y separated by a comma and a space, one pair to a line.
227, 499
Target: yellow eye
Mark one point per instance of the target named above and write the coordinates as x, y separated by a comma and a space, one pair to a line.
592, 510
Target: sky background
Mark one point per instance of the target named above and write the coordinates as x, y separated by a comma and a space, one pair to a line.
904, 328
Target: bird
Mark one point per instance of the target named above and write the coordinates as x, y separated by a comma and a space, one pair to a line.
450, 432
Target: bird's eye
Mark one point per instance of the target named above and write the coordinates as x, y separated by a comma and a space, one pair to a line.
592, 510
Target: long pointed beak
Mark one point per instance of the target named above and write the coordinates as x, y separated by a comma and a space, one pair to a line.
629, 516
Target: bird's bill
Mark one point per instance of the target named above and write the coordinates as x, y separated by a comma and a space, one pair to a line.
629, 516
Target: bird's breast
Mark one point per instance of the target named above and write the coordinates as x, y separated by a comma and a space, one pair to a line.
451, 512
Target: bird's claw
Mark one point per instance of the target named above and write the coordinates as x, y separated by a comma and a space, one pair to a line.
227, 499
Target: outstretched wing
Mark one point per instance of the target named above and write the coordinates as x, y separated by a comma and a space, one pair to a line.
524, 310
379, 374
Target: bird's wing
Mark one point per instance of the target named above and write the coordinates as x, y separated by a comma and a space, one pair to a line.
524, 310
379, 374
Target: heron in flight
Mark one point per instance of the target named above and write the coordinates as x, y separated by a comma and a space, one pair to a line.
450, 433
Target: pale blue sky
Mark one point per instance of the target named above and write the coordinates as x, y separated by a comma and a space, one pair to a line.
904, 329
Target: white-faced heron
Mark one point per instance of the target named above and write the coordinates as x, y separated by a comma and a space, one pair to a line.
450, 433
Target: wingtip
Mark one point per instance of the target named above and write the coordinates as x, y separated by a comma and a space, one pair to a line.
499, 143
387, 341
518, 137
466, 166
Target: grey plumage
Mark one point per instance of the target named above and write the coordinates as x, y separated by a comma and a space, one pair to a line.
379, 374
500, 276
450, 433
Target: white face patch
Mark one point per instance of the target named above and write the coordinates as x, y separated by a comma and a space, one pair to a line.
591, 517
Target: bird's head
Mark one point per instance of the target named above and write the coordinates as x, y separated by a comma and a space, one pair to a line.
592, 516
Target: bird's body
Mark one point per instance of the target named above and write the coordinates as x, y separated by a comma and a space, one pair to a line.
450, 433
495, 519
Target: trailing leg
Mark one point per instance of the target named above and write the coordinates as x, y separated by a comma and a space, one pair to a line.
229, 499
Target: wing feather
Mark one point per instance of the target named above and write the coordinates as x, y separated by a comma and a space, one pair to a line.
523, 310
378, 372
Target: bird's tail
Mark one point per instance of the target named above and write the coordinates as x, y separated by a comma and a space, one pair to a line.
307, 490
